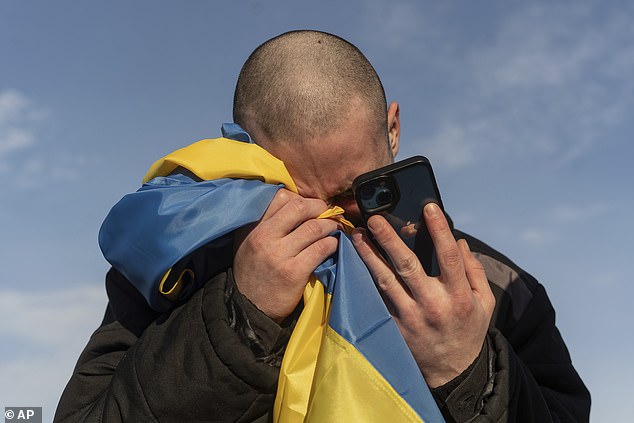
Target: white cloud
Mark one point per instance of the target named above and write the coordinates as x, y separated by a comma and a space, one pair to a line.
544, 79
12, 139
560, 219
52, 317
32, 172
36, 382
574, 214
394, 25
15, 112
540, 45
536, 236
13, 106
19, 119
546, 82
450, 148
557, 220
42, 336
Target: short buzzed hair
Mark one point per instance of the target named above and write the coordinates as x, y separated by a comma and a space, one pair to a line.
303, 84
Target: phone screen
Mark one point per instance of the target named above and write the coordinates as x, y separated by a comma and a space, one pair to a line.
399, 192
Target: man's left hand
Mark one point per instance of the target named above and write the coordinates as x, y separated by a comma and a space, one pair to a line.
444, 319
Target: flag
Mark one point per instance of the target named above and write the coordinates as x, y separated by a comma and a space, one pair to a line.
346, 359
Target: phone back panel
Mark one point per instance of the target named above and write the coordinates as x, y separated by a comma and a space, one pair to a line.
412, 185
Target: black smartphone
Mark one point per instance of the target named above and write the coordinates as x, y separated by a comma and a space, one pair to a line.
399, 192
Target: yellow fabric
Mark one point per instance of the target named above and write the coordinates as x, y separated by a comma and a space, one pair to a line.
300, 359
347, 388
172, 292
224, 158
319, 367
298, 364
218, 158
336, 213
324, 379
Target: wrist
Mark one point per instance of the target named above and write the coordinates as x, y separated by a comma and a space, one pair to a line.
448, 373
463, 397
266, 337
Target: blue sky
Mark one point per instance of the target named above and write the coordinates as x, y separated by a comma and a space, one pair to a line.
524, 108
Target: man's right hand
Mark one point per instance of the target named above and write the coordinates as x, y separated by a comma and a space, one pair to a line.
275, 258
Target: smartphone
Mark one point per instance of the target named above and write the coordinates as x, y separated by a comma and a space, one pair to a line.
399, 192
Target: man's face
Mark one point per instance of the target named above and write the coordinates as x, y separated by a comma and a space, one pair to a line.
324, 168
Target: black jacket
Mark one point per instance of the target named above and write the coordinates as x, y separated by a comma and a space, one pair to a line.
216, 358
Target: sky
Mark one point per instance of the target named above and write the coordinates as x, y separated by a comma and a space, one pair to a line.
525, 110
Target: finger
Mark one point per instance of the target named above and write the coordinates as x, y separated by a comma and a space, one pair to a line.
308, 233
383, 275
477, 276
293, 213
449, 256
403, 259
313, 255
281, 197
473, 268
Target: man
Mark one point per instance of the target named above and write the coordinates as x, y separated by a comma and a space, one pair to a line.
482, 333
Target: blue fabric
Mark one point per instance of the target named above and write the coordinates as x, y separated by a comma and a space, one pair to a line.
149, 231
144, 234
359, 315
233, 131
167, 219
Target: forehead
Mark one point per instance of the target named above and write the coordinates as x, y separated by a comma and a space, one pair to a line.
326, 167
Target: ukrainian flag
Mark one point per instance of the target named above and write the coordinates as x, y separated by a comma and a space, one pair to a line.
346, 360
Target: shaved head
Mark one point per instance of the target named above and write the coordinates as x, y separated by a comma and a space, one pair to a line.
302, 85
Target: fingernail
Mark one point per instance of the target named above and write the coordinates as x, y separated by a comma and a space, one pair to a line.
432, 210
372, 224
466, 245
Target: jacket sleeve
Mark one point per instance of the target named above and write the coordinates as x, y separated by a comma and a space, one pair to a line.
190, 364
530, 376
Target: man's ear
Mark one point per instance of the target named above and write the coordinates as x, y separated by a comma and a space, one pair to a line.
393, 127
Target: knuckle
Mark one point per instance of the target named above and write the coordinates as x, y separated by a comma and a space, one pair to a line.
318, 202
282, 197
386, 281
255, 242
283, 194
292, 272
408, 266
476, 265
326, 247
450, 257
299, 206
313, 228
435, 315
464, 307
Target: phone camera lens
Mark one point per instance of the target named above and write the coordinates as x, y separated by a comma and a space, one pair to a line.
384, 196
367, 192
